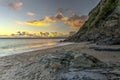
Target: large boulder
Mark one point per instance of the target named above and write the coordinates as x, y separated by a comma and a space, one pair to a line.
70, 65
69, 59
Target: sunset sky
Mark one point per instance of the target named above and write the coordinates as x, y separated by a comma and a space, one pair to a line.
36, 16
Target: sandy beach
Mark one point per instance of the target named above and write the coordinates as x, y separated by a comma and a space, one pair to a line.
16, 67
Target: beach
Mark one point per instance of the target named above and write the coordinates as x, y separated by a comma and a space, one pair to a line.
20, 66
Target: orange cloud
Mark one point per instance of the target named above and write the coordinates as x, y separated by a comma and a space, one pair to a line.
75, 21
38, 23
47, 20
50, 19
41, 23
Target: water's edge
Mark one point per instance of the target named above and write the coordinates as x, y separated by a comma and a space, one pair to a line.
34, 49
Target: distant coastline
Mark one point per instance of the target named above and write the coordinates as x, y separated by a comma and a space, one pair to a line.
33, 37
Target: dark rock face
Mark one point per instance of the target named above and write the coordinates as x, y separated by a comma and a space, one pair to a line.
103, 22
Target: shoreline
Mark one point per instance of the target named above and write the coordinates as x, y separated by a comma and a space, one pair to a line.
26, 63
34, 49
84, 47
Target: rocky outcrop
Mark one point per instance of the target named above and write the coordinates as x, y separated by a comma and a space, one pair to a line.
73, 65
103, 22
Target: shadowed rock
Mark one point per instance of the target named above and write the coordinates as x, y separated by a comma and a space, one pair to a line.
105, 49
109, 41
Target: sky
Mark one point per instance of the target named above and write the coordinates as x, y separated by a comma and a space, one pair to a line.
36, 16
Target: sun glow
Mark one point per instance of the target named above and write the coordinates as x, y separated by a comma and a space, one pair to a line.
38, 23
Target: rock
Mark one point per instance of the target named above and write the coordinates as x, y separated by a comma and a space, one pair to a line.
70, 65
81, 76
60, 58
105, 49
69, 60
84, 61
64, 65
109, 41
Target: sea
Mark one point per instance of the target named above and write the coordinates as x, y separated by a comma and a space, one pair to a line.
17, 46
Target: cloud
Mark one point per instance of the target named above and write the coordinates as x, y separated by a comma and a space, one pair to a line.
58, 17
16, 5
74, 20
69, 10
38, 23
31, 14
47, 20
38, 34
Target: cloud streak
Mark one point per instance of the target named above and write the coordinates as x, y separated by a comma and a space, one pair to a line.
16, 5
38, 23
38, 34
31, 14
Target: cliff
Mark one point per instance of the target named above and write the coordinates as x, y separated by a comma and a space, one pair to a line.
103, 23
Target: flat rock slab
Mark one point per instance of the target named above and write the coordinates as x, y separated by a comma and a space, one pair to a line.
109, 41
82, 75
105, 49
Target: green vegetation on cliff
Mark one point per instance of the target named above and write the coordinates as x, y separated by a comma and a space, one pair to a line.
100, 13
103, 22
